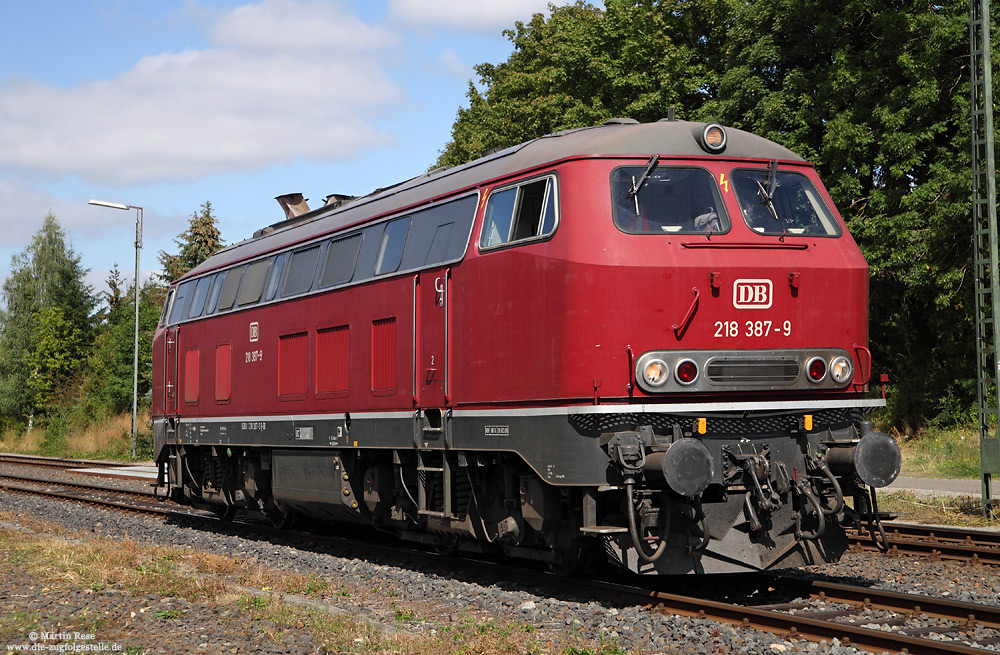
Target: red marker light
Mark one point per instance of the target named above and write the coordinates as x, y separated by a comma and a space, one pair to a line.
686, 371
816, 369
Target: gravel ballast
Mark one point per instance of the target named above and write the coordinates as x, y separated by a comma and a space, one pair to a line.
393, 597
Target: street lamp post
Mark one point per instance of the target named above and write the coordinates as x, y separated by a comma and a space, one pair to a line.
135, 339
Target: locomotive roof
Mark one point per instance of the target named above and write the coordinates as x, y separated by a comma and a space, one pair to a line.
619, 137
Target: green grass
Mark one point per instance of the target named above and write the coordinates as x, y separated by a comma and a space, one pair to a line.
940, 453
913, 507
18, 624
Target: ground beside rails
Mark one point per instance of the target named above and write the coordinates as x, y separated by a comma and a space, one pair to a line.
867, 618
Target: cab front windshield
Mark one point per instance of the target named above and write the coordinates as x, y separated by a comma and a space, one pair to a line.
670, 200
797, 206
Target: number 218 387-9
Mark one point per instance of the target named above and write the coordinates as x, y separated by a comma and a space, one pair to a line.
733, 329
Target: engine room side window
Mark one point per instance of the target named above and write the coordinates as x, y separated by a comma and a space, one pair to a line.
794, 207
181, 301
669, 200
301, 271
393, 243
166, 307
438, 252
341, 258
253, 282
272, 281
227, 298
526, 211
200, 295
213, 297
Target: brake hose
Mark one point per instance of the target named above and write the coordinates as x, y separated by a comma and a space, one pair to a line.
634, 533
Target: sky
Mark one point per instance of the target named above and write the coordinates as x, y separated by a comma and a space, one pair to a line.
169, 104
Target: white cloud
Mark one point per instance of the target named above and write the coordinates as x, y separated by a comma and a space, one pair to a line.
468, 14
23, 207
452, 63
276, 87
283, 26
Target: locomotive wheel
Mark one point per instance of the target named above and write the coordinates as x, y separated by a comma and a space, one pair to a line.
447, 545
225, 512
570, 562
281, 520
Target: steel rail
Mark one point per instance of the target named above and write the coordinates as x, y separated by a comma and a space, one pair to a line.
59, 462
78, 485
935, 542
132, 504
984, 615
799, 626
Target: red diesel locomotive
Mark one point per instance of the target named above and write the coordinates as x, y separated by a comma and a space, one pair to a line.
645, 341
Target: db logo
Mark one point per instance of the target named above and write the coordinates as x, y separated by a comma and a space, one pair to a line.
752, 294
254, 331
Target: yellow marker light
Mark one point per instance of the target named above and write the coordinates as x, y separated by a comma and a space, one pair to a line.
808, 422
702, 426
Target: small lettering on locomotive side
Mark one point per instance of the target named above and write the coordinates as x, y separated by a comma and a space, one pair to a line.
497, 430
752, 294
254, 331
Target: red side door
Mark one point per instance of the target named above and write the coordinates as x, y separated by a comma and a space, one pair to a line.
170, 356
431, 309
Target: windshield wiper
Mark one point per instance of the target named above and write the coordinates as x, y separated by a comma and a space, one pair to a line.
767, 194
638, 184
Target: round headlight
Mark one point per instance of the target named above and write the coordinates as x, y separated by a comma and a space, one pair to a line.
713, 138
841, 370
686, 371
655, 372
816, 369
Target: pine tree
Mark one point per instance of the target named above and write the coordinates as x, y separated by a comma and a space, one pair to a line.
115, 293
197, 243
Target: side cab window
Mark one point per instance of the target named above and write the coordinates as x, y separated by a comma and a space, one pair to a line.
523, 212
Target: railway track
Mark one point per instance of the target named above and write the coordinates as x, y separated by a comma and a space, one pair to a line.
934, 542
870, 619
59, 462
133, 500
866, 618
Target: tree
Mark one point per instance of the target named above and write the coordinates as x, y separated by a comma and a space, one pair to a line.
107, 388
52, 361
585, 65
45, 296
114, 295
875, 94
197, 243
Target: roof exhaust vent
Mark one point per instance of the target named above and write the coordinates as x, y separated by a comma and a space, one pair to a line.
335, 200
293, 204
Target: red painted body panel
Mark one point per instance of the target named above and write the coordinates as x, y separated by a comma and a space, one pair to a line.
542, 322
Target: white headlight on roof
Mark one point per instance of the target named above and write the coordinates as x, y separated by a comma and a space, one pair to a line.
713, 138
